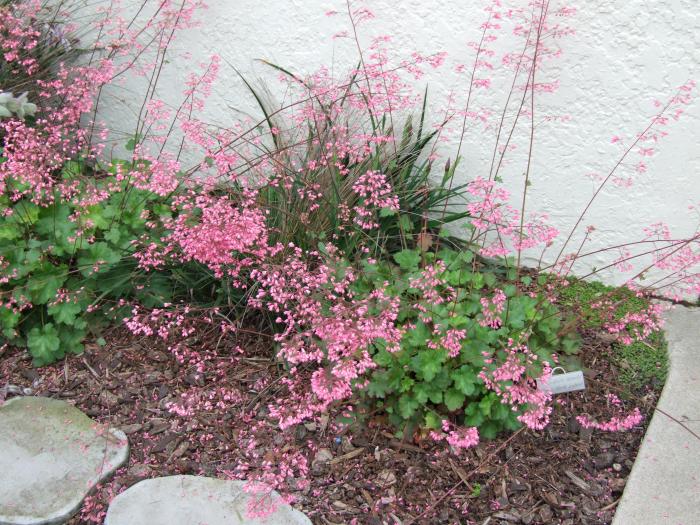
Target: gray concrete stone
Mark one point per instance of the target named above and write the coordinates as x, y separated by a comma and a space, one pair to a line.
191, 500
664, 485
51, 455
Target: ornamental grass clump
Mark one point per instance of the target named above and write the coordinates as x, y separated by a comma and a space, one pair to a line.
341, 172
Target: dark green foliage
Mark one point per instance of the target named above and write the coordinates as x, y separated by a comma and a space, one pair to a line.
420, 385
56, 275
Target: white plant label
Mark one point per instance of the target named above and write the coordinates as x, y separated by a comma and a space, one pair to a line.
561, 383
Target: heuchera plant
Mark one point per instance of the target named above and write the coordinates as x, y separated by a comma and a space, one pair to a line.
68, 264
70, 218
441, 373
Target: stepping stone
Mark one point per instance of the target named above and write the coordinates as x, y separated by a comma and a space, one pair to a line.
189, 500
51, 456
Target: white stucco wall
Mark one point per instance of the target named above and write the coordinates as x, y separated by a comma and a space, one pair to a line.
624, 55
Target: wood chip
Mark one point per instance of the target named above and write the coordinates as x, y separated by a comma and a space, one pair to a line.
180, 449
130, 429
347, 456
577, 481
507, 516
164, 441
405, 446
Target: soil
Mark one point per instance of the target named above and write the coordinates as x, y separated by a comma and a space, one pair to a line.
564, 474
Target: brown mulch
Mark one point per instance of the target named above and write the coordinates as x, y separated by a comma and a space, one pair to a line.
564, 474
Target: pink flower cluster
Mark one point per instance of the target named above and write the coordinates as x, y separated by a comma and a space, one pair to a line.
497, 224
632, 326
492, 308
459, 438
205, 400
325, 325
451, 341
35, 152
161, 322
376, 193
514, 381
217, 232
20, 36
618, 423
432, 289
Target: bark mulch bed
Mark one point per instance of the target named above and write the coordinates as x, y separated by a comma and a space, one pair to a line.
564, 474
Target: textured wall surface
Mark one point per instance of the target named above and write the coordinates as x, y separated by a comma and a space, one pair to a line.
623, 56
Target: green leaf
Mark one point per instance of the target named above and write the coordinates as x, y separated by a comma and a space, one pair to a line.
485, 405
44, 344
71, 340
378, 386
132, 142
9, 319
25, 213
98, 254
510, 290
405, 223
55, 226
71, 170
474, 418
43, 285
428, 363
500, 411
383, 358
65, 312
407, 259
432, 420
458, 277
457, 321
97, 217
406, 384
465, 380
454, 399
466, 256
32, 256
570, 345
419, 335
427, 391
407, 406
489, 430
9, 231
113, 235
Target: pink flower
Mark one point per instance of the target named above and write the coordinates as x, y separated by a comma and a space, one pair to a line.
491, 309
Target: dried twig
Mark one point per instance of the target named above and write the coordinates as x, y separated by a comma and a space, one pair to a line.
345, 457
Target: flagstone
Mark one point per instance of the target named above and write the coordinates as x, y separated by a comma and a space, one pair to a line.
51, 456
184, 500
